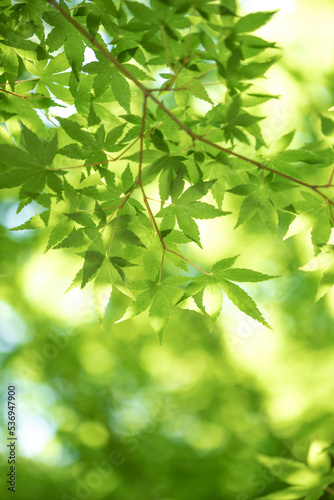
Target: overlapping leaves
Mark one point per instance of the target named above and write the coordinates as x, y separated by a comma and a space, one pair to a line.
206, 290
89, 172
306, 481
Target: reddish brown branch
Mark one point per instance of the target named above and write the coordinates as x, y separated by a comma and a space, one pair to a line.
195, 137
13, 93
98, 162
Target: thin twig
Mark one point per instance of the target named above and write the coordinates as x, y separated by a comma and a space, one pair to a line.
94, 209
13, 93
195, 137
264, 167
147, 92
152, 218
184, 87
98, 162
159, 201
19, 81
189, 262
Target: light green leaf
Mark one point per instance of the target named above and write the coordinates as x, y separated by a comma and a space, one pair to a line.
58, 233
317, 458
299, 155
268, 212
290, 471
315, 496
187, 225
212, 301
127, 179
301, 223
152, 258
196, 192
128, 237
138, 73
113, 136
242, 300
282, 143
102, 289
322, 228
120, 88
244, 275
176, 280
253, 21
327, 125
16, 157
201, 210
292, 493
10, 64
76, 238
224, 263
54, 182
74, 50
39, 221
159, 312
165, 182
326, 282
81, 218
93, 261
248, 209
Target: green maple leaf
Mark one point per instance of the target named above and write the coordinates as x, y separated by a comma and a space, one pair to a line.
52, 76
160, 298
29, 168
65, 34
186, 208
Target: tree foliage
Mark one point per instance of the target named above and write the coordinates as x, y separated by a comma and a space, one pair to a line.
136, 74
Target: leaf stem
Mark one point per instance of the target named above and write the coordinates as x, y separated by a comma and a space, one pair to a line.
159, 201
195, 137
264, 167
19, 81
13, 93
152, 218
189, 261
98, 162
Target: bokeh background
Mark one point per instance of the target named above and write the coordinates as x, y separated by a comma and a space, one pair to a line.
106, 412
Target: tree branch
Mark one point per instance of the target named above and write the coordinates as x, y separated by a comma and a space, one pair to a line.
148, 93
